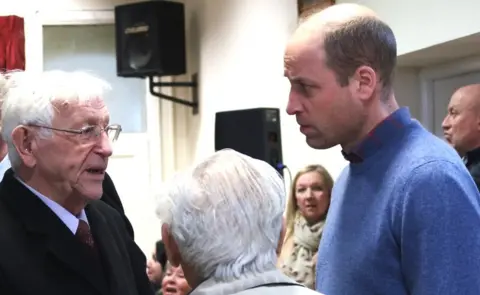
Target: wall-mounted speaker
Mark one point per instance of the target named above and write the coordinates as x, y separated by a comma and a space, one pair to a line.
253, 132
150, 39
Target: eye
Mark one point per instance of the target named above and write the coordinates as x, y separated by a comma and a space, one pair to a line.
300, 190
88, 130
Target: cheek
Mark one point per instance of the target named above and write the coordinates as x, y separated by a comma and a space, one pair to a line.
184, 286
165, 281
81, 156
300, 200
458, 130
322, 102
320, 195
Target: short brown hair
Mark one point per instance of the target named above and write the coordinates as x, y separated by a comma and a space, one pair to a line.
362, 41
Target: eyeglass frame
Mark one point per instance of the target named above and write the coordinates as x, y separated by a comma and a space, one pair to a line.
115, 127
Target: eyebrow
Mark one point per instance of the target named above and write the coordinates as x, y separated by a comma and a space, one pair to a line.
301, 80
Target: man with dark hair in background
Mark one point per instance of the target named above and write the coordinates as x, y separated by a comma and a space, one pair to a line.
461, 127
156, 266
403, 212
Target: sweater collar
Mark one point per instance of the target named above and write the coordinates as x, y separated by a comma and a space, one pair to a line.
384, 133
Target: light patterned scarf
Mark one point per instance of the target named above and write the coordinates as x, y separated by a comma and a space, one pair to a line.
299, 265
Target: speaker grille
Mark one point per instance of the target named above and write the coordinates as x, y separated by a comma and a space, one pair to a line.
150, 39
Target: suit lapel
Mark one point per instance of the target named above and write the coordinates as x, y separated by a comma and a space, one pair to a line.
40, 220
106, 240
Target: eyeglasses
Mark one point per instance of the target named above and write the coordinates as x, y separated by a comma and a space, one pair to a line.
88, 133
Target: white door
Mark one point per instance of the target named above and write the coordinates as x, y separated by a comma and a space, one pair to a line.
135, 166
442, 92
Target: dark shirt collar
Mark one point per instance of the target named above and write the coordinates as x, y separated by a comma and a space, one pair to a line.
472, 156
382, 134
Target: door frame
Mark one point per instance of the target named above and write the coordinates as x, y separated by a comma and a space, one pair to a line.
34, 24
427, 77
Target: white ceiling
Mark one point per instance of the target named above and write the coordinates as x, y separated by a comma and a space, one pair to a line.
442, 53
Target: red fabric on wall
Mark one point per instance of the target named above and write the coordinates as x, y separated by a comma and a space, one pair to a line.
12, 43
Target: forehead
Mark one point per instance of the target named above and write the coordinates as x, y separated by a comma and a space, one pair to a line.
309, 177
93, 109
175, 270
459, 100
303, 56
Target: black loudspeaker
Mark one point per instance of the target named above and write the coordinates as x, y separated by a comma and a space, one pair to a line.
253, 132
150, 39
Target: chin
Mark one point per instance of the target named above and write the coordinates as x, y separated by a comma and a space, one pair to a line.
319, 144
91, 193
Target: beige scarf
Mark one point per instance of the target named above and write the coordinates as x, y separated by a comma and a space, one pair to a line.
300, 265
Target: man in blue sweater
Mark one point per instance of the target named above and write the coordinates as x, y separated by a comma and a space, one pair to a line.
405, 213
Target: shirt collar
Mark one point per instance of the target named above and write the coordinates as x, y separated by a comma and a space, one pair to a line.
70, 220
382, 134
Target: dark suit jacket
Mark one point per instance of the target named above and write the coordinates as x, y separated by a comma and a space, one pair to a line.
472, 160
111, 197
40, 255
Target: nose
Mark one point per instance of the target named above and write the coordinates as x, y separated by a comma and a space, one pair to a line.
309, 194
446, 123
293, 105
170, 280
104, 146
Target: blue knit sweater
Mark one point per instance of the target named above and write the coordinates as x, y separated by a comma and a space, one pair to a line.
405, 220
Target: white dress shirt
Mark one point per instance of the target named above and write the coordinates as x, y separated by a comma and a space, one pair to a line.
4, 166
70, 220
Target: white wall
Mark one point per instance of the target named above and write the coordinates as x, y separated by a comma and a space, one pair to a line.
407, 90
237, 48
420, 24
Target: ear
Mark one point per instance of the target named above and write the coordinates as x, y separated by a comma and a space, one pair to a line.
23, 140
171, 247
365, 82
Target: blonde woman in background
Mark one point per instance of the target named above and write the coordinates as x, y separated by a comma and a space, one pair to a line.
306, 212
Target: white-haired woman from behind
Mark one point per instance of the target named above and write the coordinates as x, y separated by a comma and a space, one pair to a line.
221, 221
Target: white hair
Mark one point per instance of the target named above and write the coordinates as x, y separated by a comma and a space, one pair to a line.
28, 98
225, 214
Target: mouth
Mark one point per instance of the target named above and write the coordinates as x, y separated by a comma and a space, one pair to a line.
311, 207
170, 290
96, 170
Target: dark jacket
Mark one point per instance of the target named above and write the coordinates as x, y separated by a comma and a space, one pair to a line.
472, 161
111, 197
40, 255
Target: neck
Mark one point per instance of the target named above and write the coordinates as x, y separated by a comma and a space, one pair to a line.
68, 200
191, 276
380, 111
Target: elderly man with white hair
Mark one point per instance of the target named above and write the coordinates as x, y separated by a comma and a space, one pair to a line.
56, 237
222, 221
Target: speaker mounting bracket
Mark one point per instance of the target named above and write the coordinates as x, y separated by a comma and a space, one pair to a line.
193, 103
